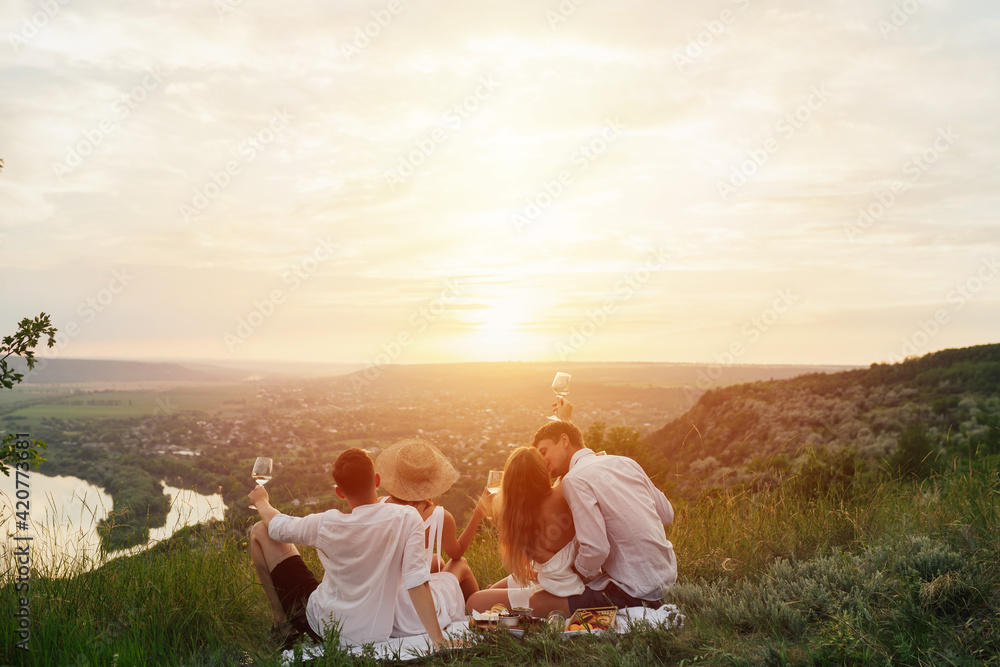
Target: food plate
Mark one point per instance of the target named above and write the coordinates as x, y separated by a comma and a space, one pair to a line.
489, 617
498, 617
598, 618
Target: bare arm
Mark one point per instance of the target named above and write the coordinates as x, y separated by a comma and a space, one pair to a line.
258, 497
562, 409
456, 547
423, 602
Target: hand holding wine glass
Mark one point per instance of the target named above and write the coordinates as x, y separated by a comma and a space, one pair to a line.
261, 474
560, 386
493, 481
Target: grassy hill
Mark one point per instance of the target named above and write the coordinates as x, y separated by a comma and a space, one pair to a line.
943, 403
897, 572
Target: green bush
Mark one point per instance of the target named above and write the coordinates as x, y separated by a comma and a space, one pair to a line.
915, 453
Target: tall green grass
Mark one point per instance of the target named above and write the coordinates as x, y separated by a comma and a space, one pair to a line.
888, 572
192, 602
894, 572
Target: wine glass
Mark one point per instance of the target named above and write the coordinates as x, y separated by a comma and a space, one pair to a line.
261, 474
494, 480
560, 385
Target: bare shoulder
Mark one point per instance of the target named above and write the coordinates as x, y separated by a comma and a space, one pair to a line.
557, 520
556, 497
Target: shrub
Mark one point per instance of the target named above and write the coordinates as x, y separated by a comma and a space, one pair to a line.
823, 473
915, 453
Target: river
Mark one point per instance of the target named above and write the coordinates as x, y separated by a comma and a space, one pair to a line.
65, 513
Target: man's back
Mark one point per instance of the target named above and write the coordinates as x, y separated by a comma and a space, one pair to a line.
366, 555
619, 516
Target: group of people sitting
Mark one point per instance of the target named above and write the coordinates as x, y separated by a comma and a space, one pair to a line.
575, 530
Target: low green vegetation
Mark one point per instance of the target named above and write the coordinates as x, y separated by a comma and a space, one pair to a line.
880, 569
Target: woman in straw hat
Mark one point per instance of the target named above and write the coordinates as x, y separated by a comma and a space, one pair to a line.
415, 472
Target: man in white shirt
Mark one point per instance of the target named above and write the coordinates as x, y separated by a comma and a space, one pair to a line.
366, 555
624, 556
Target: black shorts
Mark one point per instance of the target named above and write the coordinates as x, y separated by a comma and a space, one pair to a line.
294, 582
611, 596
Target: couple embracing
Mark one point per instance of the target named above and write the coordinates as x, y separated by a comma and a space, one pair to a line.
594, 539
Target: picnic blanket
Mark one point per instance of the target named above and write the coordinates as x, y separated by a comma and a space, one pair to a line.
410, 648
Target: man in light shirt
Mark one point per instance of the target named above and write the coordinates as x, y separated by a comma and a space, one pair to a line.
624, 556
366, 555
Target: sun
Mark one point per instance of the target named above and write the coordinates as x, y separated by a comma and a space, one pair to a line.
501, 330
501, 318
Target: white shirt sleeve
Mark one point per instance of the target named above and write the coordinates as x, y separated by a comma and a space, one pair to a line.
591, 533
414, 566
663, 507
295, 529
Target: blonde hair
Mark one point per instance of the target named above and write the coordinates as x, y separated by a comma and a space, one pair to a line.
525, 485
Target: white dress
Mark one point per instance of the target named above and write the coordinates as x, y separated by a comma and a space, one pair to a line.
555, 576
449, 603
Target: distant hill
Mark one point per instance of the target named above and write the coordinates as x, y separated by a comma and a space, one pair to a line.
734, 434
503, 376
518, 376
605, 389
68, 371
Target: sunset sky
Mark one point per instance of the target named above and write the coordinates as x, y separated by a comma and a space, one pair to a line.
727, 181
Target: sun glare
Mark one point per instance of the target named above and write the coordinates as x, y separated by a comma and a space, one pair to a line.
501, 318
501, 331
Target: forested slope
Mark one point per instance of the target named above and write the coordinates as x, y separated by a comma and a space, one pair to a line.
760, 432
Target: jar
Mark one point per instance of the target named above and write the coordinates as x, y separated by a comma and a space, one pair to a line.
556, 620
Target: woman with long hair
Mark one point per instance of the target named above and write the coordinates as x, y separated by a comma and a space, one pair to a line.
536, 538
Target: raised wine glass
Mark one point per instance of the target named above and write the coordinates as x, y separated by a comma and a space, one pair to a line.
560, 385
494, 480
261, 474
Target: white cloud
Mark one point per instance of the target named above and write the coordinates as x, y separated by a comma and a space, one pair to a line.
354, 121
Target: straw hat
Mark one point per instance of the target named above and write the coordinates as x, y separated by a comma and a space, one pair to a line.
414, 469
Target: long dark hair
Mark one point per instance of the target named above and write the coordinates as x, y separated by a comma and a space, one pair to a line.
525, 485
